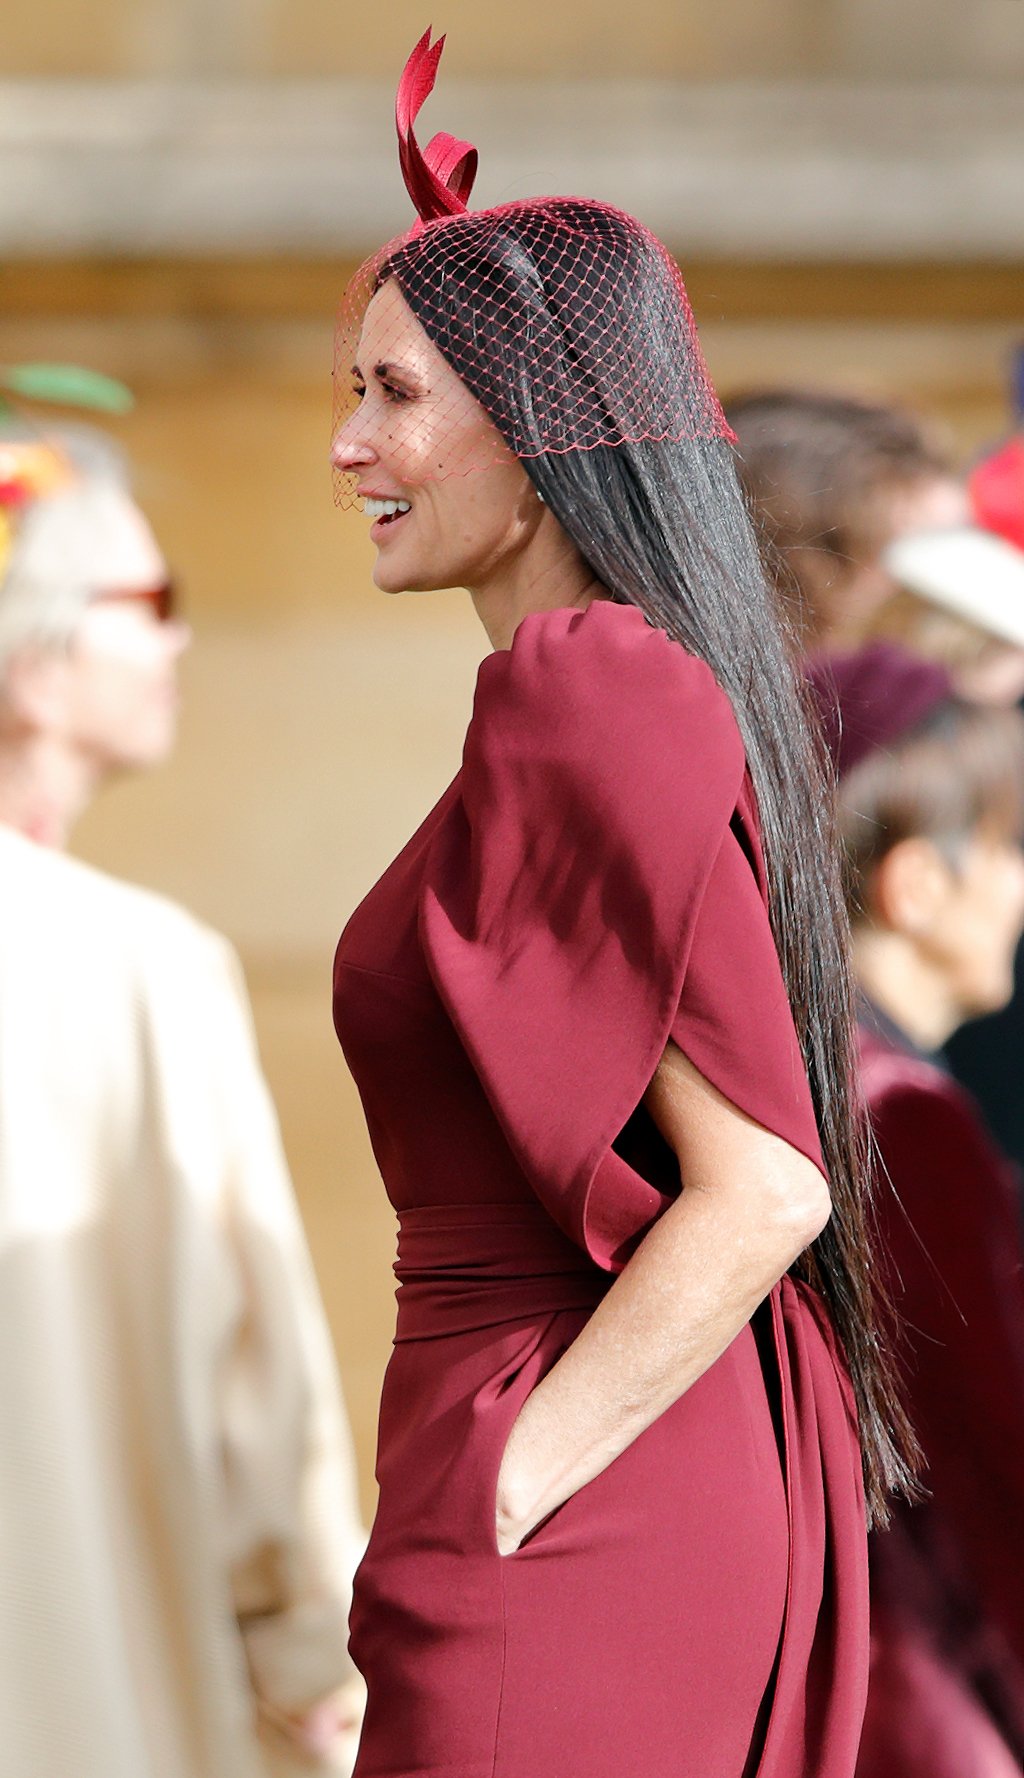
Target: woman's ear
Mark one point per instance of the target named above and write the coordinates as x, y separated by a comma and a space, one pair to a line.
36, 688
910, 888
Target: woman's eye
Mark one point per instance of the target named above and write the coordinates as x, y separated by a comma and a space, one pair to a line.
389, 391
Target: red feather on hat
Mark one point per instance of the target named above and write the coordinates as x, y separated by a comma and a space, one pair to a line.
438, 178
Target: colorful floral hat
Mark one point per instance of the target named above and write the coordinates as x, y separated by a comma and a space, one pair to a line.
33, 467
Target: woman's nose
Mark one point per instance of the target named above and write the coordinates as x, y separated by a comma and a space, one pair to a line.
350, 447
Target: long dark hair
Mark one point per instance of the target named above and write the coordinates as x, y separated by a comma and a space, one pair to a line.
663, 526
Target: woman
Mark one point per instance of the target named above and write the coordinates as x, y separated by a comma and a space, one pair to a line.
178, 1520
932, 816
621, 1519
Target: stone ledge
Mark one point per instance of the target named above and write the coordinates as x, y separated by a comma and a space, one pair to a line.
785, 171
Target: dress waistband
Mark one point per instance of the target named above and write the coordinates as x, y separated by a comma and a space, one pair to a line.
463, 1267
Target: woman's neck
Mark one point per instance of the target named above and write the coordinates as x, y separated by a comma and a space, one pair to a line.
549, 576
909, 988
43, 789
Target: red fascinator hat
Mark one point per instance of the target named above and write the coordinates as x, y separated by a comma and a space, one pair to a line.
869, 700
566, 319
438, 178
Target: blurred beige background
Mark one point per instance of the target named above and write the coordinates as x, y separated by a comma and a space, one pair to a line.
920, 38
321, 718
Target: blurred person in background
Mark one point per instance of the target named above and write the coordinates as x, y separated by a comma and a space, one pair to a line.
178, 1526
989, 1056
831, 481
931, 808
959, 601
867, 534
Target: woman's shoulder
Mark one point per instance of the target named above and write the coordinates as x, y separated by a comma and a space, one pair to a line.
588, 682
604, 640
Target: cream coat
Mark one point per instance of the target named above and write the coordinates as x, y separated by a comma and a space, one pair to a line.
177, 1517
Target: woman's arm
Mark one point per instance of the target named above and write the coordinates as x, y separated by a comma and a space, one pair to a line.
751, 1205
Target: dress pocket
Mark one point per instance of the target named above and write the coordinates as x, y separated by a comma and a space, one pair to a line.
513, 1387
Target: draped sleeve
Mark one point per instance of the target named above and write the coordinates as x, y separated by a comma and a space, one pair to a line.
598, 889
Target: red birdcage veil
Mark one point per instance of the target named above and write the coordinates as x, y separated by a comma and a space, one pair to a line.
567, 321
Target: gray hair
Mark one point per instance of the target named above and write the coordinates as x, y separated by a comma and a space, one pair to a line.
54, 564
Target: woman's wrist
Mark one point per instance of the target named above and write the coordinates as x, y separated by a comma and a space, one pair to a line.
508, 1532
535, 1477
518, 1504
515, 1513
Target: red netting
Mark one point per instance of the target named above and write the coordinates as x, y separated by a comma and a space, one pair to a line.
565, 320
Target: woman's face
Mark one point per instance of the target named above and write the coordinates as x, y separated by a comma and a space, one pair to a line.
465, 506
122, 683
119, 676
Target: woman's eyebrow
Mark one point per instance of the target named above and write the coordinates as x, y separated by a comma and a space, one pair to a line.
387, 373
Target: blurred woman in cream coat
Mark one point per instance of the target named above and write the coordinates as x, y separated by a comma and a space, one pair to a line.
178, 1525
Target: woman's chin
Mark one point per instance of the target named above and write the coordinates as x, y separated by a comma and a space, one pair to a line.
987, 998
387, 579
390, 577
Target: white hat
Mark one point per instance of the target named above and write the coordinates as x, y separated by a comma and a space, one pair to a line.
965, 570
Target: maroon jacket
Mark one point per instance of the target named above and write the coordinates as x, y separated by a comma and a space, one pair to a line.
949, 1227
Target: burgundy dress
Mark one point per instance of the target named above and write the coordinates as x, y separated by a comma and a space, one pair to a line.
947, 1671
590, 885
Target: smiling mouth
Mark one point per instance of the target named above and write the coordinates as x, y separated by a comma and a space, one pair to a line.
384, 512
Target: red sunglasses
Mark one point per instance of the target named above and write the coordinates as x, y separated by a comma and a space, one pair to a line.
163, 598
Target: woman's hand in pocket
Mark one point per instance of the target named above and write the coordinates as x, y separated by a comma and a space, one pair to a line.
516, 1510
508, 1532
